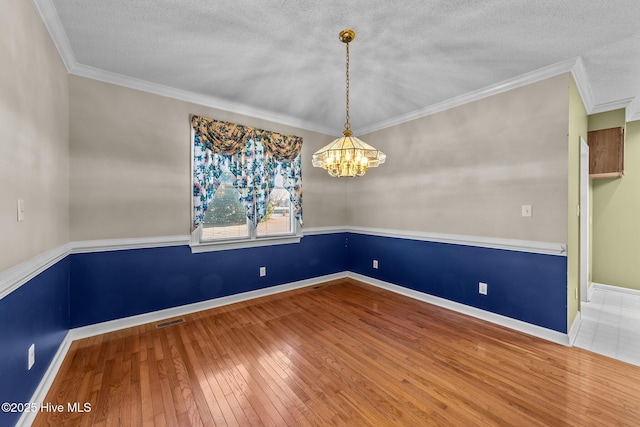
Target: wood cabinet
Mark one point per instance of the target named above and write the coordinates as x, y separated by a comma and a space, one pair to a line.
606, 153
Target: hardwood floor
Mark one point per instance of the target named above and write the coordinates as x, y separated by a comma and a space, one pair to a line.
343, 354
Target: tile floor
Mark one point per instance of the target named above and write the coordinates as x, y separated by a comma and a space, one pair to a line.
611, 325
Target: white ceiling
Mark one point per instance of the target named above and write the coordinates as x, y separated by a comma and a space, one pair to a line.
282, 60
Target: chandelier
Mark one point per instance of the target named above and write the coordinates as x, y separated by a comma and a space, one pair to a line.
347, 155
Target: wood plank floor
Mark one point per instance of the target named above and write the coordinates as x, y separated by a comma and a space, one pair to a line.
344, 354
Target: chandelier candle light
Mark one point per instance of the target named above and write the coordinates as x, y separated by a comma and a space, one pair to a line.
348, 155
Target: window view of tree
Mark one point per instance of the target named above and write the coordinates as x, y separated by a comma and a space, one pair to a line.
278, 218
226, 217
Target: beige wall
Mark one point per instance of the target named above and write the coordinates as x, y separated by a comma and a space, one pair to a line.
469, 170
578, 127
616, 212
33, 136
130, 164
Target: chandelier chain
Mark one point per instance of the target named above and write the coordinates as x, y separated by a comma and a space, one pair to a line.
347, 125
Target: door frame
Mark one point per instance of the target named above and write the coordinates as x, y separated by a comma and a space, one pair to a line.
584, 221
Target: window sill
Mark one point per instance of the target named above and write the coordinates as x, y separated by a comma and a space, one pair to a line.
199, 247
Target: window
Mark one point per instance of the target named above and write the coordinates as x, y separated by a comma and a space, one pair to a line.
246, 186
226, 217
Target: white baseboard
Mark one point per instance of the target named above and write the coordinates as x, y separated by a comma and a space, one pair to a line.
40, 394
609, 288
141, 319
518, 325
118, 324
155, 316
575, 328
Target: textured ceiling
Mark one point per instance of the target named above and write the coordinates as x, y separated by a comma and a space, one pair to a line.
283, 59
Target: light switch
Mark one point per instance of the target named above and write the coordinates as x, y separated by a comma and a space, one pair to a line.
20, 210
527, 210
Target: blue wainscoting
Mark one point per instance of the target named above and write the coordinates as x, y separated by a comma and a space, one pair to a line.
116, 284
524, 286
85, 289
37, 312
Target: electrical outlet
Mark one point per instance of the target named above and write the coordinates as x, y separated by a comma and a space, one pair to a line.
263, 271
482, 288
31, 356
375, 264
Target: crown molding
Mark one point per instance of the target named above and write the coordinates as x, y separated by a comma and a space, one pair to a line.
580, 77
576, 66
613, 105
195, 98
52, 22
633, 110
506, 85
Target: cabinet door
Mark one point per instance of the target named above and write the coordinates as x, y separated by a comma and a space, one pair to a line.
606, 153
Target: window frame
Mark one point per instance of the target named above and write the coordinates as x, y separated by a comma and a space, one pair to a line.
199, 245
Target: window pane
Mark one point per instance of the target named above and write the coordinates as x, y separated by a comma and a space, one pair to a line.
278, 218
226, 217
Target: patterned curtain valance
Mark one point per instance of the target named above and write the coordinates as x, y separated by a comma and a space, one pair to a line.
230, 138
